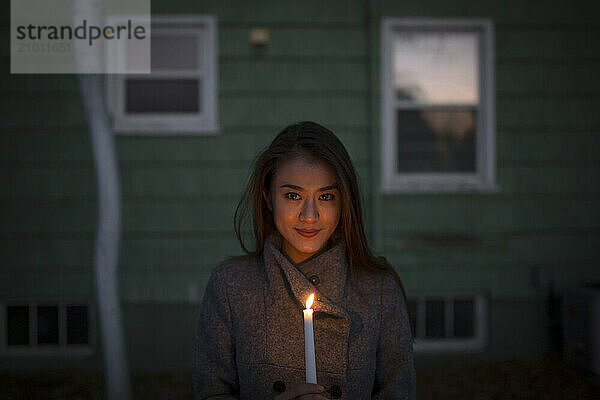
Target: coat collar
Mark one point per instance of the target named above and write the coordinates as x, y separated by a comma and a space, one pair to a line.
329, 264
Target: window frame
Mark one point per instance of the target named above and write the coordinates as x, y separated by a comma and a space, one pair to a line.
152, 123
484, 178
477, 343
33, 348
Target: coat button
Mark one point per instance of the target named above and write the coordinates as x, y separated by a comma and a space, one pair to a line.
314, 280
335, 392
279, 386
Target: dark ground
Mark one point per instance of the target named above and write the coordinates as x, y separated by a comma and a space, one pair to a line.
542, 378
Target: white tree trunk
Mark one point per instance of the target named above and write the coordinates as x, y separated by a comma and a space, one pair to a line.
116, 371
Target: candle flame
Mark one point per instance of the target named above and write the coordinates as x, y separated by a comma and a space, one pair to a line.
310, 300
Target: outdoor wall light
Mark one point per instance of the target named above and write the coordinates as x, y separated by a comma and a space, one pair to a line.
259, 37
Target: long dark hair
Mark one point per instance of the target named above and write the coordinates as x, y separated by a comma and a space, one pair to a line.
314, 142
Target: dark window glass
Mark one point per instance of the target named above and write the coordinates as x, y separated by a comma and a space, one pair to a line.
17, 325
77, 325
412, 315
162, 96
434, 319
47, 325
436, 140
463, 318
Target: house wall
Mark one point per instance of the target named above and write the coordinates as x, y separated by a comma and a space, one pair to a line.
179, 193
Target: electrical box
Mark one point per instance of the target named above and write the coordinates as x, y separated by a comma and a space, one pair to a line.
581, 327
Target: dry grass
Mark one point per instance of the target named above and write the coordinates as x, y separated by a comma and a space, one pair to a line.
541, 378
545, 378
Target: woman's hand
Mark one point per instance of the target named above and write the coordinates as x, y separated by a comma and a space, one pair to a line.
303, 391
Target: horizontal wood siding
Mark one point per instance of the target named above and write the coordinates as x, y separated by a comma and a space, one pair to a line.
179, 193
545, 214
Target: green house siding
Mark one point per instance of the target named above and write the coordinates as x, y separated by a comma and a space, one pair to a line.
544, 219
179, 193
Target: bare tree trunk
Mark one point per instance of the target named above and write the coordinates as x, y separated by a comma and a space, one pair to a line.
106, 255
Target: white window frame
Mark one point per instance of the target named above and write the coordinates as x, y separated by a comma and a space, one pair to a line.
33, 348
484, 179
477, 343
204, 123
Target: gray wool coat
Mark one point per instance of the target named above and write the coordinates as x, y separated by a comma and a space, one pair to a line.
250, 333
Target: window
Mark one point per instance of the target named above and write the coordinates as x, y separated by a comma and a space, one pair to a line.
180, 93
17, 320
28, 326
438, 114
449, 322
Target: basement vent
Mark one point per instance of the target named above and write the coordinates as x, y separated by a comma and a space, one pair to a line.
44, 326
455, 322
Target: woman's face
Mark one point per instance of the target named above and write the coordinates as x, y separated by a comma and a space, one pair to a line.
306, 206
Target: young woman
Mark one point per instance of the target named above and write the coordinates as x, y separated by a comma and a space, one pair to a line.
308, 237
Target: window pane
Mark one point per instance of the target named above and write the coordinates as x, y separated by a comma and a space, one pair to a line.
17, 325
412, 315
77, 325
463, 318
436, 67
162, 95
436, 140
138, 55
434, 319
47, 325
174, 52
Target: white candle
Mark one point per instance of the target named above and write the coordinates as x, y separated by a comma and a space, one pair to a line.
309, 342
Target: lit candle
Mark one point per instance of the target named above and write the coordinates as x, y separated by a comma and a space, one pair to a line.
309, 342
